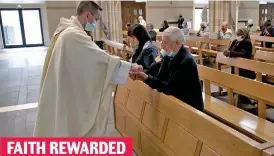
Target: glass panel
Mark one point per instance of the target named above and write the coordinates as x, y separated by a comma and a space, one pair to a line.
135, 12
262, 11
265, 19
265, 11
127, 12
32, 27
11, 26
136, 21
140, 11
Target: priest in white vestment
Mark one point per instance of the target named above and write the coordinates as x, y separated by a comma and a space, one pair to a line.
79, 79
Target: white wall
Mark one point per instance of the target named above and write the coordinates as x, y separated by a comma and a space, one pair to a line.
56, 10
40, 5
249, 10
158, 11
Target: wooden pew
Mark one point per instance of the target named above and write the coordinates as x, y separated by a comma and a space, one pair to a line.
259, 91
265, 57
263, 39
124, 33
118, 49
161, 125
268, 152
264, 71
209, 51
243, 121
192, 43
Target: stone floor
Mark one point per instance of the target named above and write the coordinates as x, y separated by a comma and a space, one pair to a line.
20, 75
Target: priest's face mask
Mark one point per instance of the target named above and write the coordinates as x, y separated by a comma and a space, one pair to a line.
91, 20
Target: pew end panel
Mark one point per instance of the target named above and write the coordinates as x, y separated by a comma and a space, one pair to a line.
167, 123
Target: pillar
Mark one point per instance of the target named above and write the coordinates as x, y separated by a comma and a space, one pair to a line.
220, 11
112, 19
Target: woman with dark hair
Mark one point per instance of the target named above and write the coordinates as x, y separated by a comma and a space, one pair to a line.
164, 26
146, 51
242, 47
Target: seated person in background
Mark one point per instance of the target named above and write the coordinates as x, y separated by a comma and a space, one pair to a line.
204, 31
164, 26
241, 47
151, 32
224, 34
185, 29
250, 26
177, 73
268, 30
146, 51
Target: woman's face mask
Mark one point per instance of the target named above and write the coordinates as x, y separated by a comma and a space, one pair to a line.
239, 38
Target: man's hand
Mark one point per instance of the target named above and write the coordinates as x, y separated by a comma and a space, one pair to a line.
136, 68
138, 76
226, 53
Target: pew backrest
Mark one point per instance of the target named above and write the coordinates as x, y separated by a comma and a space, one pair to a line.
252, 65
264, 56
219, 42
164, 126
262, 38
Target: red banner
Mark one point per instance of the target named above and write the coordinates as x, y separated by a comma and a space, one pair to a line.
66, 146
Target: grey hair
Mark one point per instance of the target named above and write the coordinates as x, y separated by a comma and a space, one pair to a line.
151, 25
225, 23
174, 33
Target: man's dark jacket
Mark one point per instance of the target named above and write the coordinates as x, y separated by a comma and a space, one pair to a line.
178, 77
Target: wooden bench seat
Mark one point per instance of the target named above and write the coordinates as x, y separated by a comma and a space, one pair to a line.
161, 125
240, 119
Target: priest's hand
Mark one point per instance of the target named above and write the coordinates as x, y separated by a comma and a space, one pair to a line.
136, 68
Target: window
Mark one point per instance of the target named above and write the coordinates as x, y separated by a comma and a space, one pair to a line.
198, 18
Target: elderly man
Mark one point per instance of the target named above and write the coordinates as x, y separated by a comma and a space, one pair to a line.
151, 32
79, 79
204, 31
224, 34
250, 26
142, 21
177, 73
